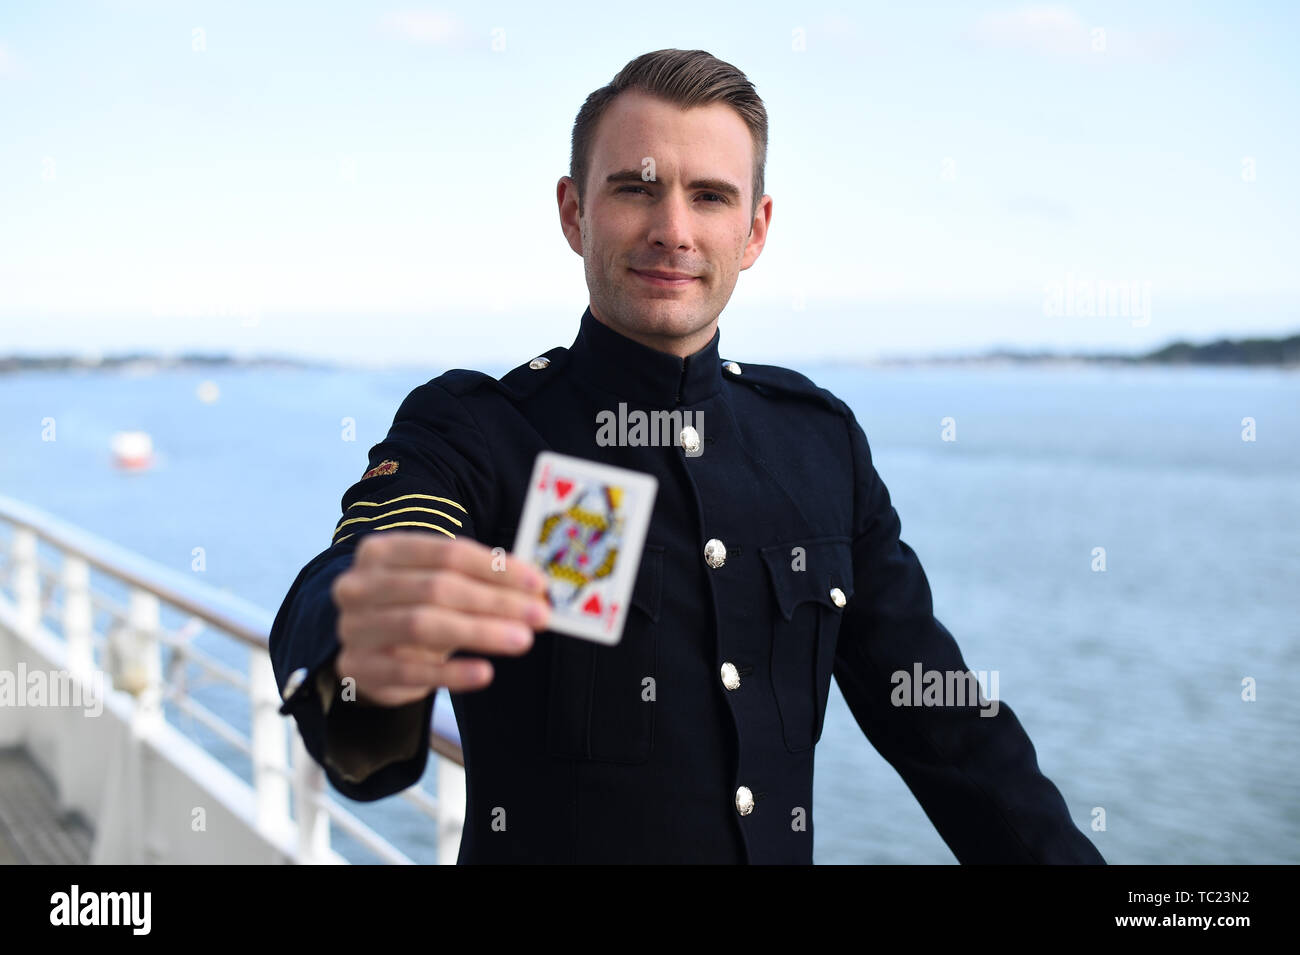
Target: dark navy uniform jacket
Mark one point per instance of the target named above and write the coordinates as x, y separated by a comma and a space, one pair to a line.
805, 578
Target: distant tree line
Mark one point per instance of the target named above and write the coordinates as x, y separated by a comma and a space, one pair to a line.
1225, 351
1243, 351
9, 363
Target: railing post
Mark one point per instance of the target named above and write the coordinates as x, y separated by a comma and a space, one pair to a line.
27, 580
140, 659
75, 787
77, 616
451, 809
137, 657
269, 747
312, 820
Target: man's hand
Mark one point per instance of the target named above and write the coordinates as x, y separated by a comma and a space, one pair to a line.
411, 599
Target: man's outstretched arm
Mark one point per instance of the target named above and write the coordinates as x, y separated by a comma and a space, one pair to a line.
402, 589
973, 769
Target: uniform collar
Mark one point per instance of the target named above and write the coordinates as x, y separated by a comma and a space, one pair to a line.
626, 368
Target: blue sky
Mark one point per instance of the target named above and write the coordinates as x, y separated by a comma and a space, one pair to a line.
378, 182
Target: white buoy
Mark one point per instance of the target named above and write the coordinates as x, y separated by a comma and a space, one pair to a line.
132, 450
208, 392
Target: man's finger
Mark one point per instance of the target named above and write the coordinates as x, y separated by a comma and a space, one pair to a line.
375, 671
364, 589
434, 628
388, 681
461, 673
416, 549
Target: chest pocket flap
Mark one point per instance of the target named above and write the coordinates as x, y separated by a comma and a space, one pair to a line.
810, 570
812, 582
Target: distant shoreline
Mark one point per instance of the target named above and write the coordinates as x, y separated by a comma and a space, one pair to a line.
1224, 352
147, 362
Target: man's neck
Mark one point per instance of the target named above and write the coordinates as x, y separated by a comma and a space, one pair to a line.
680, 346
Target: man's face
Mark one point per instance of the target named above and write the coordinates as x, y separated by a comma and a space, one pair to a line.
692, 219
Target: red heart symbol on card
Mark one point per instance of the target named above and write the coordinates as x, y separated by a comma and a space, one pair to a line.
563, 487
592, 606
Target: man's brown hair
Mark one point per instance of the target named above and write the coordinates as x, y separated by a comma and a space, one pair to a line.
686, 78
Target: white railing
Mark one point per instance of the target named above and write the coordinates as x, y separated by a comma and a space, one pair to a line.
122, 773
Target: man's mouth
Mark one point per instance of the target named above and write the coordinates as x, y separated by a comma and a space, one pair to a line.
665, 279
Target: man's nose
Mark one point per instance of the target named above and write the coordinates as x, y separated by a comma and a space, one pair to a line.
670, 225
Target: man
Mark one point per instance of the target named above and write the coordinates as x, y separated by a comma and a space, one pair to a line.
773, 558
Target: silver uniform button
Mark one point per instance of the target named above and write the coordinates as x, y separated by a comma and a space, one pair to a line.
732, 367
295, 680
730, 676
541, 361
744, 801
837, 596
690, 439
715, 555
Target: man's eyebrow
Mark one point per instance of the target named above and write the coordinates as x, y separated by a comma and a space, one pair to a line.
714, 185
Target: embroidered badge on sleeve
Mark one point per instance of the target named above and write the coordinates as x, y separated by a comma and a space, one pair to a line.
383, 467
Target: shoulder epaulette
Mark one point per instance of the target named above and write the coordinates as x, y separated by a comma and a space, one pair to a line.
520, 382
526, 378
460, 381
775, 380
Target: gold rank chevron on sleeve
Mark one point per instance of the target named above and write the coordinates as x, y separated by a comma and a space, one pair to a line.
405, 510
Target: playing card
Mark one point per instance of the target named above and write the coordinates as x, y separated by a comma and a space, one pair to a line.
584, 524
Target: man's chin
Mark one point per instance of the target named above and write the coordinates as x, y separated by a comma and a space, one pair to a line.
657, 316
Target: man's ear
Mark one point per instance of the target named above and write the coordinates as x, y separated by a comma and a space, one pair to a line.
566, 197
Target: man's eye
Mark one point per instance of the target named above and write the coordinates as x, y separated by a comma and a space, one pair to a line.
717, 196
